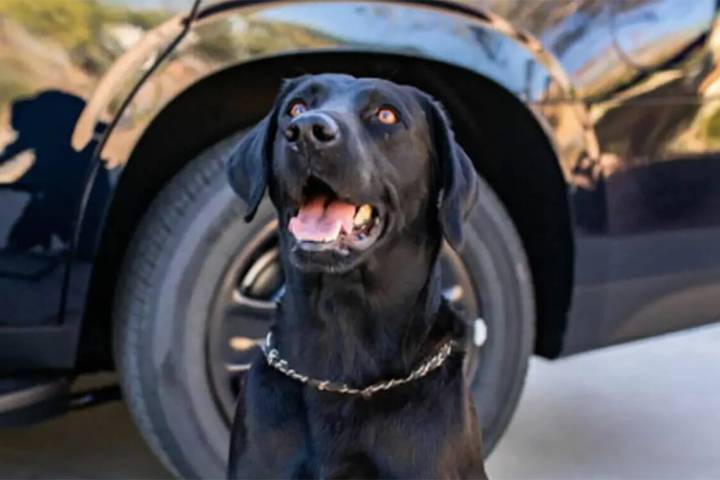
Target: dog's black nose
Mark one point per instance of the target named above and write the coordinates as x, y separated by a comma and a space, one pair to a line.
317, 129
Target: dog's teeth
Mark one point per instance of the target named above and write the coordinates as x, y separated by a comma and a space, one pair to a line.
363, 215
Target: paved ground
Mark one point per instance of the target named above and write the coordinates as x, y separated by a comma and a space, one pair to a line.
646, 410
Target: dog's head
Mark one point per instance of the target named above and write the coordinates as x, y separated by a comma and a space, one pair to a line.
353, 164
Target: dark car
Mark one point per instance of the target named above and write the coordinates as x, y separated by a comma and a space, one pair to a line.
122, 248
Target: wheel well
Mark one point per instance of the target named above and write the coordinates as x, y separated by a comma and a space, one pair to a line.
508, 146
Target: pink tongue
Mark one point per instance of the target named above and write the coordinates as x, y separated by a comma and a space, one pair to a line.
317, 222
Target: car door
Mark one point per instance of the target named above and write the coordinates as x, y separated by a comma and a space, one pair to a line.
658, 172
52, 56
645, 196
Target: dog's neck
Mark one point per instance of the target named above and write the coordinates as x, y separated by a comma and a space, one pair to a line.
372, 323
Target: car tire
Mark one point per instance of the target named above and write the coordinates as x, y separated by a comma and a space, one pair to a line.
177, 263
504, 332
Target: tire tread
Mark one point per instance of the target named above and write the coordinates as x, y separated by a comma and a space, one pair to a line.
132, 310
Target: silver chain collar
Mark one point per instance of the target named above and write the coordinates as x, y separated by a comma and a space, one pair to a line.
432, 363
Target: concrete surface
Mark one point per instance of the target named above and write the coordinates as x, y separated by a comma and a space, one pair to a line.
644, 410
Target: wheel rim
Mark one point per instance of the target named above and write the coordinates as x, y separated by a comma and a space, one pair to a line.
245, 304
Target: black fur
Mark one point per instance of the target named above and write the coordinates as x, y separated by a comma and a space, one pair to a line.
368, 316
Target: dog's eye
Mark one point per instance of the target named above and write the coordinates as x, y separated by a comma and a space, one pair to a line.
387, 115
296, 108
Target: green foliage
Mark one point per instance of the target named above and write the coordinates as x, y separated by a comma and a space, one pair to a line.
712, 127
66, 21
76, 24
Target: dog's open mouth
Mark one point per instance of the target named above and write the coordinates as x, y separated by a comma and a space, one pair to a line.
326, 222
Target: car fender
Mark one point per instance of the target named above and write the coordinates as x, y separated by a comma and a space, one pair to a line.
449, 32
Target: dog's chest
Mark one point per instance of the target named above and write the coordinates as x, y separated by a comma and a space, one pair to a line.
394, 435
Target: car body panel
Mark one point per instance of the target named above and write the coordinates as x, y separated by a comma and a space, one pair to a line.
646, 208
53, 54
652, 264
626, 91
225, 37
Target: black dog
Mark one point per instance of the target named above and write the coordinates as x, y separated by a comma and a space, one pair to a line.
362, 375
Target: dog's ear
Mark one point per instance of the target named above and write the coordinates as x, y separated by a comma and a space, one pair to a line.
250, 162
457, 185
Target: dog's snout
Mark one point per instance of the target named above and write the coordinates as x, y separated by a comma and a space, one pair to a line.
318, 129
